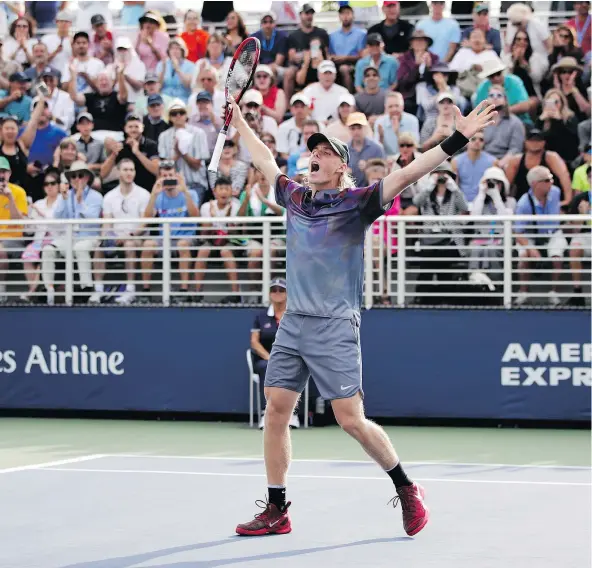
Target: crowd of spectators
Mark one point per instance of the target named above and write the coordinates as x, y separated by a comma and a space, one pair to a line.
96, 123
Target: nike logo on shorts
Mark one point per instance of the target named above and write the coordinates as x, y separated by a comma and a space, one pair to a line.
347, 387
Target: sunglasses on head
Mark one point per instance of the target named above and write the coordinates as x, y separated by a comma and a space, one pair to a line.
277, 289
78, 175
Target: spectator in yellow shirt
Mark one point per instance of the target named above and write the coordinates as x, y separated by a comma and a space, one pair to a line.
13, 205
581, 175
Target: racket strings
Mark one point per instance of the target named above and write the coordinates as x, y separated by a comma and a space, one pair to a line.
240, 75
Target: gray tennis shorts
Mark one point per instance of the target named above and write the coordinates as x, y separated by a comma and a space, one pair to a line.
326, 349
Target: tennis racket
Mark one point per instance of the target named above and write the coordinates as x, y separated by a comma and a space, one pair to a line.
239, 78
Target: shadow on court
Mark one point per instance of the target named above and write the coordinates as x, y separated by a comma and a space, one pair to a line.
128, 561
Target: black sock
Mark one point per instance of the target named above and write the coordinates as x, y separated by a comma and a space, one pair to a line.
277, 496
398, 476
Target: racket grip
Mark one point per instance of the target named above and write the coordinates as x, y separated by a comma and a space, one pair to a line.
213, 167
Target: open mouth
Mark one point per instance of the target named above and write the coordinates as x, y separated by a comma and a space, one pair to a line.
314, 167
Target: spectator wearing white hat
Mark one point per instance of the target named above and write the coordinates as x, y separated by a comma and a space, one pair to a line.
361, 147
324, 95
188, 146
58, 44
87, 67
289, 136
346, 45
134, 70
543, 198
274, 98
521, 17
339, 128
177, 71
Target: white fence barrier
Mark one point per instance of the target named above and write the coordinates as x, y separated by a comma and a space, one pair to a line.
409, 260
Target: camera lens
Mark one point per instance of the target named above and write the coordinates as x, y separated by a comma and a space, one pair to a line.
491, 184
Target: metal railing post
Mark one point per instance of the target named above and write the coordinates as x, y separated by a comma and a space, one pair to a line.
266, 261
166, 264
69, 264
507, 263
368, 271
401, 261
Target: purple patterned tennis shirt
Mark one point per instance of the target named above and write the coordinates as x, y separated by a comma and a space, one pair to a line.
325, 246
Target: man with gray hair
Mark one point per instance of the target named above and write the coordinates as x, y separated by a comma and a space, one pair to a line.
532, 237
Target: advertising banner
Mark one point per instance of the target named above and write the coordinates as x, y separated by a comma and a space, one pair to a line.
417, 363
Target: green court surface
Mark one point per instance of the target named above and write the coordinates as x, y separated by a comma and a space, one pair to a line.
27, 441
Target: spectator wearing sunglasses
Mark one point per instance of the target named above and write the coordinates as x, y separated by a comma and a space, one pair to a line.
494, 75
79, 202
543, 198
370, 100
567, 78
16, 149
126, 201
263, 333
564, 45
385, 65
274, 98
470, 166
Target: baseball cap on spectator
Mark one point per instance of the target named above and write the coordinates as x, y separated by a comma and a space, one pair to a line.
177, 105
155, 100
123, 42
152, 78
4, 164
253, 96
538, 173
203, 96
132, 116
491, 67
345, 7
327, 66
307, 9
338, 146
281, 282
50, 72
64, 16
535, 134
420, 34
374, 39
264, 69
83, 116
18, 77
356, 118
445, 97
80, 34
97, 20
300, 97
347, 99
481, 7
268, 14
149, 17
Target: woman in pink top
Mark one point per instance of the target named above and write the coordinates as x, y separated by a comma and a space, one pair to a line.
151, 42
376, 169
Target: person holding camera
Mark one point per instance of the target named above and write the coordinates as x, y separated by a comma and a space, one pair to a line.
13, 205
442, 242
79, 202
537, 237
219, 236
170, 198
15, 101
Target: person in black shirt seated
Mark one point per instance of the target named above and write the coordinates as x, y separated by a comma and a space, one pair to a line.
107, 106
267, 322
154, 123
394, 31
142, 151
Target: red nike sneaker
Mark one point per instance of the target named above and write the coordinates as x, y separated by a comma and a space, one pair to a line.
271, 521
415, 513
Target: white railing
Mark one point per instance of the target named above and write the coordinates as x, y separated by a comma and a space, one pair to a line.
409, 260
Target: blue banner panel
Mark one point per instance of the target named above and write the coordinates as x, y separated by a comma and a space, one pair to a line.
417, 363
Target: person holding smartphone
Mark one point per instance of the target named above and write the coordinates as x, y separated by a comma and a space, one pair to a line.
170, 197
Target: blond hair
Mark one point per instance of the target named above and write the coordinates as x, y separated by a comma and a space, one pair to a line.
566, 112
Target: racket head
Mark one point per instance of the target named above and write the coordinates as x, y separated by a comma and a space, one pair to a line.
241, 71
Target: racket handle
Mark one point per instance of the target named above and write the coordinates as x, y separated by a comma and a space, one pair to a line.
213, 167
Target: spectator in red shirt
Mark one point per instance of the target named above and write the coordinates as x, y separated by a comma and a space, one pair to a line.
194, 37
101, 45
582, 26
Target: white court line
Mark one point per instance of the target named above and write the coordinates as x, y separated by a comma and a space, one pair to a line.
332, 477
408, 463
52, 463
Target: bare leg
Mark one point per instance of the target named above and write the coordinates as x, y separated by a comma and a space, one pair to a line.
277, 446
184, 263
148, 252
349, 413
230, 265
200, 266
32, 273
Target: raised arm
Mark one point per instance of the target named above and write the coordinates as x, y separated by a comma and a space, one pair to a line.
466, 126
261, 155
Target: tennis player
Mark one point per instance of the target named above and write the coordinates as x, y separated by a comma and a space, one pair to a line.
319, 335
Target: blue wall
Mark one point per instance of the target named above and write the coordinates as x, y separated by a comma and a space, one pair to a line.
417, 363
